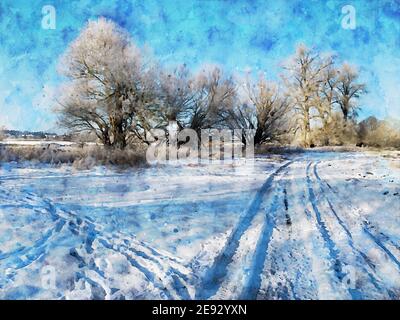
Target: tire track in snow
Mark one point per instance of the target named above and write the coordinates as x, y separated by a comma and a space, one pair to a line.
335, 263
362, 257
373, 277
285, 201
218, 271
253, 283
368, 229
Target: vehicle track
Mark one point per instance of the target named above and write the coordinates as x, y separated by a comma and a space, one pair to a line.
355, 258
366, 264
281, 261
253, 282
372, 231
335, 262
290, 261
218, 271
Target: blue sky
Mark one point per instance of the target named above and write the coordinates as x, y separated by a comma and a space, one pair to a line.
236, 34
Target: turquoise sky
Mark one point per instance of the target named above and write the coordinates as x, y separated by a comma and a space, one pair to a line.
236, 34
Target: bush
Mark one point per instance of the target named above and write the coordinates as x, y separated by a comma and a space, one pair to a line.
336, 132
379, 133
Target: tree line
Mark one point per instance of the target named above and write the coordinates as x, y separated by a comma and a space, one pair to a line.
120, 92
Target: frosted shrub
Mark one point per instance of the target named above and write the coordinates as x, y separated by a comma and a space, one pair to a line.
379, 133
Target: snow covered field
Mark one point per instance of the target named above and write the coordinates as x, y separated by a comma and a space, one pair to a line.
318, 225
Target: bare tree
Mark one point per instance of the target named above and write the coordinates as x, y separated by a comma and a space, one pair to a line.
367, 126
117, 91
326, 100
348, 91
110, 86
263, 109
379, 133
303, 78
214, 97
81, 112
177, 93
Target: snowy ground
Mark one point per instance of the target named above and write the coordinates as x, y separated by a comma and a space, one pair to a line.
308, 226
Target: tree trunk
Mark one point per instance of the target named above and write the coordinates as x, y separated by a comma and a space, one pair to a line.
117, 125
307, 130
258, 137
106, 138
119, 136
345, 111
345, 115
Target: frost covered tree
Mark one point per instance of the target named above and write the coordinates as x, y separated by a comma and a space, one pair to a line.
379, 133
367, 126
304, 71
348, 90
117, 91
177, 93
326, 101
195, 101
111, 87
213, 99
264, 109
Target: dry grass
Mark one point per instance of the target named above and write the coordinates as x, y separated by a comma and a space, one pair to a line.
84, 157
277, 149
